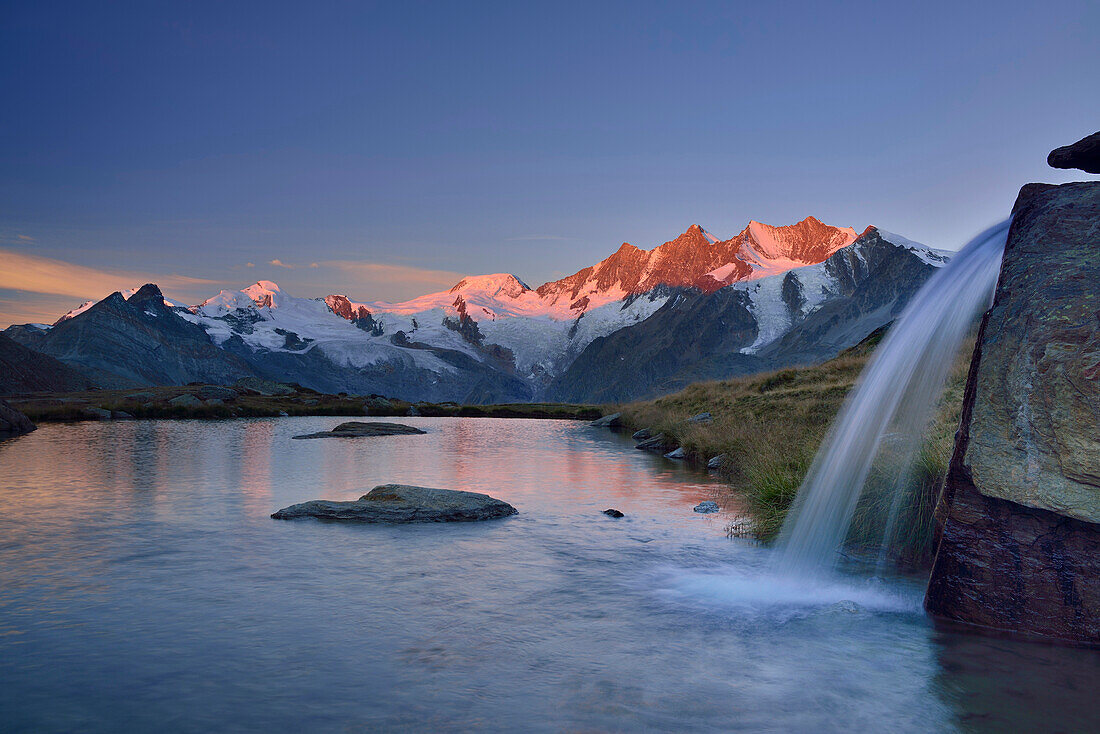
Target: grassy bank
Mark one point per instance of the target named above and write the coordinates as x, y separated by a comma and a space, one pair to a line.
768, 428
157, 402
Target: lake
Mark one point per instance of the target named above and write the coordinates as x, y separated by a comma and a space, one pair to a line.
144, 587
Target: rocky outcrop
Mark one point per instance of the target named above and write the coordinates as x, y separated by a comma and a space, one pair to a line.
1019, 517
1084, 154
12, 422
355, 429
399, 503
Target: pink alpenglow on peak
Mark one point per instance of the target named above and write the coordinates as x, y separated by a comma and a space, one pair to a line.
696, 259
261, 294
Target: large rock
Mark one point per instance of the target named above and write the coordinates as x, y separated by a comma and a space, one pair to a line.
1019, 518
12, 422
1084, 154
356, 429
611, 420
399, 503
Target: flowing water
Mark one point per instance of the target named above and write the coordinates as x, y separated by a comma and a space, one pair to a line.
895, 396
144, 587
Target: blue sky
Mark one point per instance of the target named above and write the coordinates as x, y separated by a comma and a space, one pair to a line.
395, 145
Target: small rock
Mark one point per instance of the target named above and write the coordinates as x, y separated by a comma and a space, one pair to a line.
96, 414
141, 397
608, 421
13, 422
715, 462
356, 429
844, 605
656, 443
216, 392
121, 415
676, 453
1084, 154
641, 435
264, 387
377, 404
398, 503
284, 414
412, 412
700, 418
185, 401
707, 507
612, 512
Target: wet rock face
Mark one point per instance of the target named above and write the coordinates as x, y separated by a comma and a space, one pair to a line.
1019, 519
1084, 154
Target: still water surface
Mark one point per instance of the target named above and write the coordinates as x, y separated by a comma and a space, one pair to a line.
143, 587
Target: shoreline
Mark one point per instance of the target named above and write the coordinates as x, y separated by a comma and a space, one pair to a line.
217, 402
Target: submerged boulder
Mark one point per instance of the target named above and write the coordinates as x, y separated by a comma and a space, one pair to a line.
706, 507
1018, 522
399, 503
12, 422
357, 429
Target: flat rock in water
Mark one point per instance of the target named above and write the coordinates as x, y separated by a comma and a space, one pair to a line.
399, 503
612, 512
716, 461
707, 507
676, 453
356, 429
642, 434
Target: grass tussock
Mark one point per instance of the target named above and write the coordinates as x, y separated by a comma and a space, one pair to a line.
769, 428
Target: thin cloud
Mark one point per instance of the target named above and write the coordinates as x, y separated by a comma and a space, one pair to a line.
382, 281
24, 238
280, 264
68, 283
250, 265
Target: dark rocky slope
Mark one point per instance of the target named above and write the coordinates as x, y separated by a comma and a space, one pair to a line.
24, 370
139, 341
1019, 517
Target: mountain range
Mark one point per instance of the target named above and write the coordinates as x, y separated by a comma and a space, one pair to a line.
636, 324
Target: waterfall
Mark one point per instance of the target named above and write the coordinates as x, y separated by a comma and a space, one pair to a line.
897, 392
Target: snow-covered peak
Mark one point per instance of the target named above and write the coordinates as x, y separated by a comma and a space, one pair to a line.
261, 294
930, 255
264, 293
497, 285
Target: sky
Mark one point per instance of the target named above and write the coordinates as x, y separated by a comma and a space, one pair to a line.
384, 150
